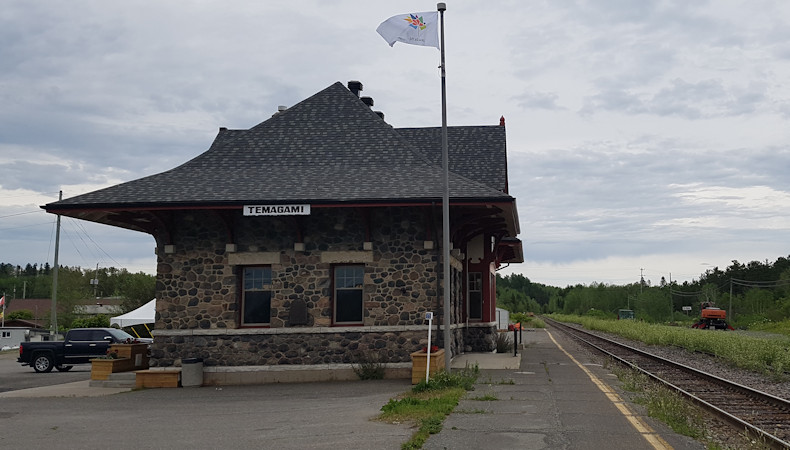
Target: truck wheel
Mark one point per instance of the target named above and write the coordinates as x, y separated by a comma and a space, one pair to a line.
63, 368
42, 363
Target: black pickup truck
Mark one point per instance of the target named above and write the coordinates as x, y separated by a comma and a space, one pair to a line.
80, 346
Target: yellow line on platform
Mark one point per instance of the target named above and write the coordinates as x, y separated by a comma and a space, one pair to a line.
648, 433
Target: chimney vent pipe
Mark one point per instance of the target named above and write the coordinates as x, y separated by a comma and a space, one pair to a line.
355, 87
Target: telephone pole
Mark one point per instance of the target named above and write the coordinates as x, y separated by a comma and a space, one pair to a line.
641, 279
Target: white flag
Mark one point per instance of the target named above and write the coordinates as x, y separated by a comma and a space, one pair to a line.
416, 29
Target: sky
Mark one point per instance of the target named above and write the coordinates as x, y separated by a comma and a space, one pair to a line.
645, 138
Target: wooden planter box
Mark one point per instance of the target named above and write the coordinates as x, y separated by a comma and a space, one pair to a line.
168, 378
138, 353
102, 368
420, 359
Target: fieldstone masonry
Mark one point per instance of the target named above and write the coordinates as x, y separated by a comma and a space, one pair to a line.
198, 287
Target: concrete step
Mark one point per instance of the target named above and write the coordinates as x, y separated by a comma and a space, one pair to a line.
117, 380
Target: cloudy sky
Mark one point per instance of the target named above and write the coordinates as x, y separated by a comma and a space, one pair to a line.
644, 137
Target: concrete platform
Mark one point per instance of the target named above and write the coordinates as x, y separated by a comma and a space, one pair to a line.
556, 397
75, 389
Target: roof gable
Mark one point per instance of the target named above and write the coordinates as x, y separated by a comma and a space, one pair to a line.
475, 152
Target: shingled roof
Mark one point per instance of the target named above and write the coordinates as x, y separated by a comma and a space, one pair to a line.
329, 148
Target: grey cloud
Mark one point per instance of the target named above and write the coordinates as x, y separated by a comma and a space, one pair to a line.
600, 200
538, 100
691, 100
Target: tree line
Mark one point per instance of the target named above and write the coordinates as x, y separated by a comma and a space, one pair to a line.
754, 292
74, 286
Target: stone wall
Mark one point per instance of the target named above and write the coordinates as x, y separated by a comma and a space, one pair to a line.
292, 348
199, 274
480, 338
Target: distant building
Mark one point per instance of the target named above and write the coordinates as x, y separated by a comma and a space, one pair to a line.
18, 331
314, 238
42, 308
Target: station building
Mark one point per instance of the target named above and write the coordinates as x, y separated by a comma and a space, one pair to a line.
313, 239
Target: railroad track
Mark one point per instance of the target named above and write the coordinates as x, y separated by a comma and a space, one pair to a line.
758, 413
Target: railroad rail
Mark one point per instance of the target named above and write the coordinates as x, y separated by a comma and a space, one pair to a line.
760, 414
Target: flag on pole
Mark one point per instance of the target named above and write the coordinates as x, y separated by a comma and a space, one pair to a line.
2, 301
416, 29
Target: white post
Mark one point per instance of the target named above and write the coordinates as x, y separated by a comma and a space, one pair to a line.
429, 316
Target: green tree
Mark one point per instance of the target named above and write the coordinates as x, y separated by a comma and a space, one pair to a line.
136, 289
653, 305
20, 314
97, 321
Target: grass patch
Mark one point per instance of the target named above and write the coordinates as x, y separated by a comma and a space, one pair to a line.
534, 322
503, 343
485, 398
752, 353
427, 404
368, 366
782, 327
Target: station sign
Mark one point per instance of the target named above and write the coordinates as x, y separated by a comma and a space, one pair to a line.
276, 210
687, 308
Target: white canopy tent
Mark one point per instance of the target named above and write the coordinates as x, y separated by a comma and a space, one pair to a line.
143, 314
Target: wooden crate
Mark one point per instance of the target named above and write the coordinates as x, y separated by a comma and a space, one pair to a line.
102, 368
157, 378
420, 359
138, 353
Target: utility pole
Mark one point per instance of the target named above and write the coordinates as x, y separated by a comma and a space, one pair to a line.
732, 316
95, 281
671, 306
641, 279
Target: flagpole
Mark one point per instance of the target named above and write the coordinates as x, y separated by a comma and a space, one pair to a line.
54, 313
448, 348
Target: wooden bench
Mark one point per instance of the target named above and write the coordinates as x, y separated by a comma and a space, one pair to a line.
162, 378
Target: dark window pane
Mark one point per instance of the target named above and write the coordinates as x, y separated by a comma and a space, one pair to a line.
257, 307
348, 306
475, 295
475, 305
80, 335
99, 335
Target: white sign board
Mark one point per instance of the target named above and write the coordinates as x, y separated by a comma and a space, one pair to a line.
276, 210
687, 308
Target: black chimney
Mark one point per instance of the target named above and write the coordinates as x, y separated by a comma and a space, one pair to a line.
355, 87
368, 101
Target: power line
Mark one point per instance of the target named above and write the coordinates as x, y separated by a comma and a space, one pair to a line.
21, 214
760, 284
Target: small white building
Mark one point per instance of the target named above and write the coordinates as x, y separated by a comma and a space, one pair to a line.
13, 336
502, 319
